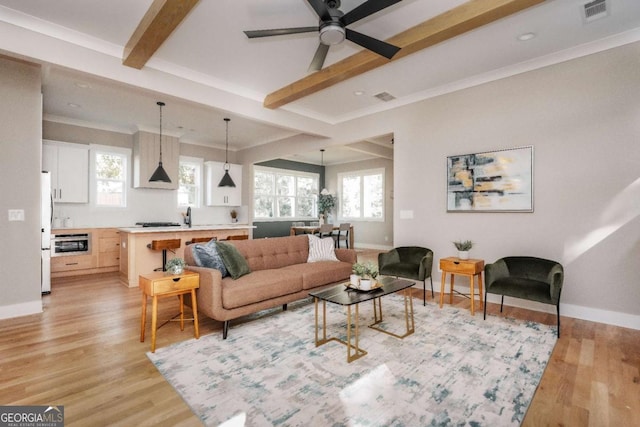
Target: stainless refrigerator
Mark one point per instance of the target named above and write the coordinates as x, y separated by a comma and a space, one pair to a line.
46, 217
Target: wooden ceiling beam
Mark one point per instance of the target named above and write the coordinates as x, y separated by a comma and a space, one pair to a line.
155, 27
457, 21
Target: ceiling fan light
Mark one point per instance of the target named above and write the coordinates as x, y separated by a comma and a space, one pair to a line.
332, 34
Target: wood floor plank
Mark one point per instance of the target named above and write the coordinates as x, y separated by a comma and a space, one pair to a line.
84, 352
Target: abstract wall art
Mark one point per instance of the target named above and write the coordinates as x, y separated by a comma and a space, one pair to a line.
493, 181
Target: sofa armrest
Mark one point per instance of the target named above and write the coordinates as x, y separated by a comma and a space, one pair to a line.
210, 291
347, 255
495, 271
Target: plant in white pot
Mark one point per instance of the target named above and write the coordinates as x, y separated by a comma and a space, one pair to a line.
175, 265
365, 276
463, 247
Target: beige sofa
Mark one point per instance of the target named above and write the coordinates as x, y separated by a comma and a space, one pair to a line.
280, 274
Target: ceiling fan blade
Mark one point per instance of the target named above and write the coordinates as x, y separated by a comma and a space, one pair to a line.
279, 32
318, 59
378, 46
321, 9
365, 9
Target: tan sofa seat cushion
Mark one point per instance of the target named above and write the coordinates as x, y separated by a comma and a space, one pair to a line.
259, 286
320, 273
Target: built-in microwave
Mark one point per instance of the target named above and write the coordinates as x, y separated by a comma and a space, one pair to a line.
70, 244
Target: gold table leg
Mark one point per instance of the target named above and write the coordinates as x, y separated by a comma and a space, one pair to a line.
357, 351
408, 315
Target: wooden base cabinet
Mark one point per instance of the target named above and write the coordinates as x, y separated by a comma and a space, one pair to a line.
103, 258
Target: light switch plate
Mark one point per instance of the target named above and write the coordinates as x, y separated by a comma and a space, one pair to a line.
16, 214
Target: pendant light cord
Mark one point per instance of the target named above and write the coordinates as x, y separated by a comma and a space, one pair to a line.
161, 104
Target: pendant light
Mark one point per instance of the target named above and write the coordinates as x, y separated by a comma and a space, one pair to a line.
226, 180
324, 191
160, 175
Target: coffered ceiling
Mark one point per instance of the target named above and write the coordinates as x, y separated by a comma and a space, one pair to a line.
207, 68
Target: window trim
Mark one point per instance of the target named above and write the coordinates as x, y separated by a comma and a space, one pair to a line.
94, 150
199, 197
288, 172
362, 174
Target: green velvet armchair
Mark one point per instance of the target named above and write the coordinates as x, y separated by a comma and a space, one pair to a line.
409, 262
530, 278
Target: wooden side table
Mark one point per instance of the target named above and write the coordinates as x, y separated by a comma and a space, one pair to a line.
466, 267
160, 285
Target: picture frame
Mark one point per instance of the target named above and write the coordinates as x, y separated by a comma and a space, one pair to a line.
491, 181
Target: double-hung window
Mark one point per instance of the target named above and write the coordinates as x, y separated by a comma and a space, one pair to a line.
284, 194
362, 195
109, 166
190, 182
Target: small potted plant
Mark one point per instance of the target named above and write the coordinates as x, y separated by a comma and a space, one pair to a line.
463, 247
365, 276
234, 215
175, 265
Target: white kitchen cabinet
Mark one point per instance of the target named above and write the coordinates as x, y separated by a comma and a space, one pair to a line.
222, 196
146, 154
69, 167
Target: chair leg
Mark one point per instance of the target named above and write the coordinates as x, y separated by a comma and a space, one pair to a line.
501, 303
284, 307
558, 314
432, 294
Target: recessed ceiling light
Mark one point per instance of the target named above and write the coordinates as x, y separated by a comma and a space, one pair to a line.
82, 85
73, 105
526, 36
358, 93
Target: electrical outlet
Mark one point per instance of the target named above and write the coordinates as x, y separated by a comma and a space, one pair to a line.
16, 214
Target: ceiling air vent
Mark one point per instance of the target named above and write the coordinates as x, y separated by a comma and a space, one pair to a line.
385, 96
595, 9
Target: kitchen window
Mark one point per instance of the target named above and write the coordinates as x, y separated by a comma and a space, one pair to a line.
190, 182
285, 194
109, 166
362, 195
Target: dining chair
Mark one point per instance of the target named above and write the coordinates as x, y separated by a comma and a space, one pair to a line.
326, 230
342, 233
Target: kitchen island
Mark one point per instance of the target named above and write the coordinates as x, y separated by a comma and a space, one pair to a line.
136, 258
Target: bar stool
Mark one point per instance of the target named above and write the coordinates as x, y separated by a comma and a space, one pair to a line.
164, 246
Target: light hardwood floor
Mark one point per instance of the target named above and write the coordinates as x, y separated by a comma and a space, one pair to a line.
83, 352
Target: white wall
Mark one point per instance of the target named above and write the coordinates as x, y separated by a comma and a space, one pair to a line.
20, 136
583, 119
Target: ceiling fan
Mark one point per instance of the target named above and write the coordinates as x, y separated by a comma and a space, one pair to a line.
332, 29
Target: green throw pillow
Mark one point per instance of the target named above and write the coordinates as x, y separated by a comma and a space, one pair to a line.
234, 261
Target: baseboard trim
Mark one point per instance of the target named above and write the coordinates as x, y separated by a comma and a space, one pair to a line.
591, 314
23, 309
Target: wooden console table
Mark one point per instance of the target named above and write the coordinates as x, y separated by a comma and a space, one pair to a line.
465, 267
161, 285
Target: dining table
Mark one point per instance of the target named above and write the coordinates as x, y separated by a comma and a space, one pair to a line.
313, 229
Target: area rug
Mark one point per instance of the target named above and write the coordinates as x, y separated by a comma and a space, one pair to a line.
455, 370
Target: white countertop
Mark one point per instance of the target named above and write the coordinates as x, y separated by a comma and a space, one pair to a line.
184, 228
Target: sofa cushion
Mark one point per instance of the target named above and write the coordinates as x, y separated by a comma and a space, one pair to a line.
233, 260
274, 252
321, 249
207, 256
321, 273
259, 286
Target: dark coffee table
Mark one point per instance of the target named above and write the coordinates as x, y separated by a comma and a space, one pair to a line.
344, 296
